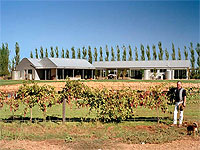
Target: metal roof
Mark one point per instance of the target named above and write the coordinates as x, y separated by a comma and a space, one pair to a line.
62, 63
143, 64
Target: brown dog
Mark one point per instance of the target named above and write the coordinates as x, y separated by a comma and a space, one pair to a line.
192, 128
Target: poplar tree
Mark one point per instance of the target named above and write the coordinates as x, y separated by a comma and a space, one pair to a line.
173, 52
46, 53
124, 53
107, 53
130, 53
79, 53
63, 53
136, 54
148, 53
84, 52
142, 52
198, 56
31, 55
56, 52
185, 53
67, 53
52, 52
154, 52
118, 54
36, 53
179, 54
41, 52
89, 54
4, 60
160, 55
17, 54
95, 54
101, 54
192, 59
112, 54
73, 53
166, 54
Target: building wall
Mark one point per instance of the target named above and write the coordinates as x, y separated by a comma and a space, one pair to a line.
23, 67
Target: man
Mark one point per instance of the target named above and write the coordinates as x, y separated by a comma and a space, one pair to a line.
180, 103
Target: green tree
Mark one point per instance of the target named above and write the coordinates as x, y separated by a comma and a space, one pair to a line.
84, 52
4, 60
67, 53
148, 53
154, 52
95, 54
173, 52
31, 55
124, 53
79, 53
198, 55
36, 53
89, 54
101, 54
56, 52
73, 52
179, 54
17, 54
41, 52
166, 54
130, 53
107, 54
46, 53
63, 53
192, 60
142, 52
160, 55
136, 54
112, 54
118, 54
52, 52
185, 53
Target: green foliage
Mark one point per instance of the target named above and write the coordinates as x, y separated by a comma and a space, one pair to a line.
36, 53
192, 60
17, 54
67, 53
89, 55
160, 55
46, 53
185, 53
173, 52
124, 53
142, 52
56, 52
148, 53
4, 59
136, 54
179, 54
166, 54
41, 52
52, 52
101, 54
112, 54
154, 52
79, 53
118, 54
31, 54
95, 54
198, 55
84, 52
63, 53
73, 53
107, 54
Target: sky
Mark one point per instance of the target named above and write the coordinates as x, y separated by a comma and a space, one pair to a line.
98, 23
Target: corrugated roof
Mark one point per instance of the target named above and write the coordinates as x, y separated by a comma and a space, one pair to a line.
71, 63
143, 64
36, 62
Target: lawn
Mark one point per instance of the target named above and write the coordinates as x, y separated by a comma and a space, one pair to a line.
80, 132
12, 82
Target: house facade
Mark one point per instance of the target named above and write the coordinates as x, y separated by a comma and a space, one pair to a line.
60, 68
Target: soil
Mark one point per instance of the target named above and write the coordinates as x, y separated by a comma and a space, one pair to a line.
114, 85
184, 144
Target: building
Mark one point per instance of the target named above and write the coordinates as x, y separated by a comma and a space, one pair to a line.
54, 68
147, 70
60, 68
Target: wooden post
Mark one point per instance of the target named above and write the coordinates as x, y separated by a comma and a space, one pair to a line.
63, 110
56, 74
63, 74
45, 74
73, 73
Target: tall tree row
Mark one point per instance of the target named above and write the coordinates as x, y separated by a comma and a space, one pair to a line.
4, 60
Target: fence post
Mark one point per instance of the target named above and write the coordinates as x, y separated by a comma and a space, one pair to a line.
63, 110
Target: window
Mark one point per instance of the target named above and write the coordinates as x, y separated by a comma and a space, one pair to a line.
162, 70
30, 71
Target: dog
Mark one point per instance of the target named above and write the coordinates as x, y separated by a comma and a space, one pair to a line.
192, 129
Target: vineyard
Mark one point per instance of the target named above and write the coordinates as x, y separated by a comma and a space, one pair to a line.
108, 105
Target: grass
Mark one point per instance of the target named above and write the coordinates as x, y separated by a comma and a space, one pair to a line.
12, 82
78, 134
